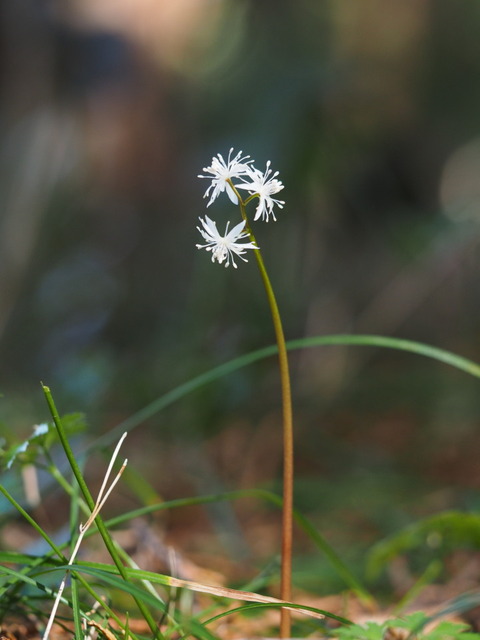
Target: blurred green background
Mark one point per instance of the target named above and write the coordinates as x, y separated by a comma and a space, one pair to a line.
371, 112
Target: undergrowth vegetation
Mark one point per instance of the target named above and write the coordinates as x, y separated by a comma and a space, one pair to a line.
93, 597
63, 588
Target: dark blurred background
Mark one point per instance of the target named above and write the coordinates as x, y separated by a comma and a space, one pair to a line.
371, 112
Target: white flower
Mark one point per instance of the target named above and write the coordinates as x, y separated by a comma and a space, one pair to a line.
263, 185
20, 449
40, 430
223, 171
224, 247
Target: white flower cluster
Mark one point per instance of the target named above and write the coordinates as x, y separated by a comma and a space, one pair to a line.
240, 172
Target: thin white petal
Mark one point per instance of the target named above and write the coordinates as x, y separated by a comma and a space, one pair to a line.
237, 229
231, 193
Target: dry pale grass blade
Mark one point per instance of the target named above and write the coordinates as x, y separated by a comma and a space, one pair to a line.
235, 594
106, 632
102, 497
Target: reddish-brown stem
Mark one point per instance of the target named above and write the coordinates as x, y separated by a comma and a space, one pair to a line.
287, 509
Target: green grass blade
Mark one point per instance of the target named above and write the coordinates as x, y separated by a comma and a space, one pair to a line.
74, 518
410, 346
262, 605
180, 391
109, 575
107, 539
340, 567
77, 614
386, 342
455, 527
15, 557
38, 565
319, 541
21, 577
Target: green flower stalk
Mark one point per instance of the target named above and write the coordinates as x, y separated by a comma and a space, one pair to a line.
230, 176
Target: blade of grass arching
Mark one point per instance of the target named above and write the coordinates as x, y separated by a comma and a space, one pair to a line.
261, 605
165, 400
107, 539
100, 570
343, 571
410, 346
316, 537
107, 574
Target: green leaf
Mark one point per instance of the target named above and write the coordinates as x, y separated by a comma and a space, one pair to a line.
42, 437
368, 631
452, 528
108, 575
414, 621
446, 630
74, 423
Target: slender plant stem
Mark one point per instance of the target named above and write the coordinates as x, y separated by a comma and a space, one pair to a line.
287, 509
91, 503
